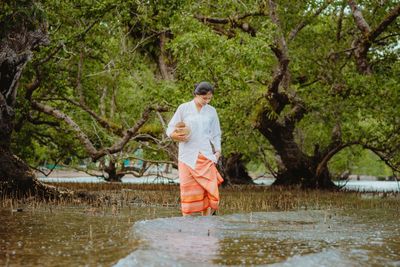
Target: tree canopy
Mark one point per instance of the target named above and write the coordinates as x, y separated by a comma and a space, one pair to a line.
311, 78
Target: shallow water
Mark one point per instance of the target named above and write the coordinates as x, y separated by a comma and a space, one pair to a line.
137, 236
299, 238
70, 236
379, 186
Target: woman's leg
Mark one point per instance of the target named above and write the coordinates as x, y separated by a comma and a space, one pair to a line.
209, 211
206, 212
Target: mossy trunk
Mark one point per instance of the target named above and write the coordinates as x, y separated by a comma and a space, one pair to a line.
18, 180
295, 167
19, 36
15, 174
113, 175
304, 174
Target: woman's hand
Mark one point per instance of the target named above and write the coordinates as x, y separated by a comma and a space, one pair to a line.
180, 137
217, 155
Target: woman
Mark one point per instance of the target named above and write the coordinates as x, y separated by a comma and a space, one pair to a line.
199, 151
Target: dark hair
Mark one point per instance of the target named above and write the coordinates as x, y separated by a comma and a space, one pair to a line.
203, 88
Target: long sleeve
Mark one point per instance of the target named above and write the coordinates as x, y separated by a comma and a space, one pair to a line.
204, 129
175, 119
216, 133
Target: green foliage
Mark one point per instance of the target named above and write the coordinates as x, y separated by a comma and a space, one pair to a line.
16, 14
358, 161
120, 77
234, 66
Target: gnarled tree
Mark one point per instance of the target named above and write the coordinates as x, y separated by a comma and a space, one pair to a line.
22, 32
313, 86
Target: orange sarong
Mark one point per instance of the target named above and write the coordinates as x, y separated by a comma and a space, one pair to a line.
199, 186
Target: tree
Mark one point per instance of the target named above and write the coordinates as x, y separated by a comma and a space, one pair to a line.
296, 82
50, 92
21, 32
318, 101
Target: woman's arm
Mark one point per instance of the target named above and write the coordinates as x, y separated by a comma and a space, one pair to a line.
174, 120
216, 134
178, 117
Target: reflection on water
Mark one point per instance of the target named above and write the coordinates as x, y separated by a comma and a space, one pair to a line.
178, 241
302, 238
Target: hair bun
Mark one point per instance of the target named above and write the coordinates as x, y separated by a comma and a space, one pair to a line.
203, 88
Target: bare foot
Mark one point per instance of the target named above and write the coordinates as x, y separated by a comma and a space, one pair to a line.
209, 211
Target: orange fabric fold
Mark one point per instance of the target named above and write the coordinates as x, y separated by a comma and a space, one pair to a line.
199, 186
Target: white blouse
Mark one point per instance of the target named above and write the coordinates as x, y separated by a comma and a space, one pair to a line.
205, 128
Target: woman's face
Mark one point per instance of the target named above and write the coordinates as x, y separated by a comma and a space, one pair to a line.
204, 99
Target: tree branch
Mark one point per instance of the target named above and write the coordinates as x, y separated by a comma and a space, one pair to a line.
41, 122
80, 35
384, 158
114, 128
88, 146
280, 37
278, 100
227, 20
340, 23
361, 23
50, 171
79, 79
363, 44
90, 149
4, 108
306, 21
128, 134
386, 37
332, 150
49, 56
162, 57
235, 21
297, 112
212, 20
151, 161
33, 85
389, 18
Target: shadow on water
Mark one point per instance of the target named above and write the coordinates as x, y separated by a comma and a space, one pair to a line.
296, 238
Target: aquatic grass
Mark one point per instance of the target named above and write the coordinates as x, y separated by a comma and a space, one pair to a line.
96, 227
103, 197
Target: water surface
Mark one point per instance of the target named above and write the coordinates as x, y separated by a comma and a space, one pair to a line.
48, 235
70, 235
379, 186
297, 238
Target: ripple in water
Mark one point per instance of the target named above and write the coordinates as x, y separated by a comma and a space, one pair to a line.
301, 238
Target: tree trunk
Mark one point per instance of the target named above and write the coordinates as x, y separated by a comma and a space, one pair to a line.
18, 180
305, 175
233, 170
16, 46
162, 58
361, 57
15, 174
296, 168
112, 173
